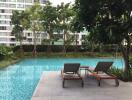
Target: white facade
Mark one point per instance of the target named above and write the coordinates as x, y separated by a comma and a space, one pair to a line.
6, 8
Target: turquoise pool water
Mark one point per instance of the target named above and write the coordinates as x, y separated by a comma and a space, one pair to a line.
18, 81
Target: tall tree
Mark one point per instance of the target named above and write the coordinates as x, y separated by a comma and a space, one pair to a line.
20, 21
35, 24
65, 16
112, 21
49, 17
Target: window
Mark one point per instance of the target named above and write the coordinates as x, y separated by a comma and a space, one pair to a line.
2, 16
29, 34
12, 0
2, 11
3, 0
28, 1
2, 28
20, 1
12, 5
3, 5
83, 37
4, 34
20, 6
27, 6
43, 1
13, 39
3, 39
77, 36
3, 22
12, 44
30, 40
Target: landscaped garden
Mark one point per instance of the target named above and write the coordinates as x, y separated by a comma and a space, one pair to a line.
108, 38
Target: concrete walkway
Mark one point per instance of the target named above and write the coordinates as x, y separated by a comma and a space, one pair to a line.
50, 88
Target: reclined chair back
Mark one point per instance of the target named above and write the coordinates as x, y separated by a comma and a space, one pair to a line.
71, 67
103, 66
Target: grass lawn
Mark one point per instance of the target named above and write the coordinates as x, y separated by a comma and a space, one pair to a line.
6, 62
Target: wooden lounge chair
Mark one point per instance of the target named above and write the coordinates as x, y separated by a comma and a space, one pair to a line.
71, 72
101, 72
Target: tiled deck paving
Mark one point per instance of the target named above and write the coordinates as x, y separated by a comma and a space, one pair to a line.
50, 88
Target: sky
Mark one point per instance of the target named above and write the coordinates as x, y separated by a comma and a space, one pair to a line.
56, 2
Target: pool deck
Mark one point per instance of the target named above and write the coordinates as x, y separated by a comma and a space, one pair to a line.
50, 88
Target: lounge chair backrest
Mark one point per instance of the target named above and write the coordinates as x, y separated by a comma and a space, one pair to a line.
103, 66
71, 67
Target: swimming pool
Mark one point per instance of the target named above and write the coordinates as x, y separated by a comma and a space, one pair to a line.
18, 81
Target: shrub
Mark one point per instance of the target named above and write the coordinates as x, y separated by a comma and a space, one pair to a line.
5, 51
121, 74
69, 48
57, 48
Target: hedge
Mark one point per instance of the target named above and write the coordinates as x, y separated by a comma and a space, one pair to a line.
69, 48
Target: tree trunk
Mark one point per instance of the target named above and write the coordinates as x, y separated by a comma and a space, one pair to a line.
76, 43
92, 47
100, 48
64, 44
125, 52
34, 49
21, 47
49, 46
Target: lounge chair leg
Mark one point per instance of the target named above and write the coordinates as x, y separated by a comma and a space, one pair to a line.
63, 83
99, 82
82, 83
117, 82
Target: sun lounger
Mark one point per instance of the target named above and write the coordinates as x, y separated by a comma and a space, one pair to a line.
101, 72
71, 72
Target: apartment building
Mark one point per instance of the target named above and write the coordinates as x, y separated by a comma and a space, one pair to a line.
6, 8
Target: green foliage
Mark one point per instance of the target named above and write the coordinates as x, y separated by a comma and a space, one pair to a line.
49, 17
106, 20
20, 21
117, 72
65, 16
34, 12
46, 42
5, 51
121, 74
109, 22
64, 19
7, 62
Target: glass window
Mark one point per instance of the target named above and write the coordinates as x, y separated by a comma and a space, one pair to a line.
3, 0
83, 37
27, 6
13, 39
2, 16
28, 1
12, 5
43, 1
2, 28
4, 34
3, 5
20, 1
2, 11
12, 0
20, 6
30, 40
3, 39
